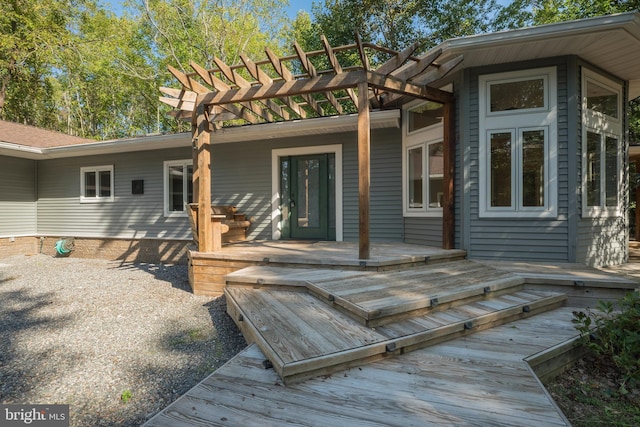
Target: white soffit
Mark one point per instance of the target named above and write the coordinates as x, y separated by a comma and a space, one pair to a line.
609, 42
257, 132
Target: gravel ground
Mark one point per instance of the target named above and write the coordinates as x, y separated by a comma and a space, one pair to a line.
116, 341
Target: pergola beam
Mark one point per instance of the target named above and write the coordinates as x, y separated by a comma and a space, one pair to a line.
287, 88
211, 96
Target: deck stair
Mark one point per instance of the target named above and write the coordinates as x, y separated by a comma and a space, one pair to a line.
320, 321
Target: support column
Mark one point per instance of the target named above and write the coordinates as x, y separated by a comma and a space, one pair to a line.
202, 179
449, 144
364, 170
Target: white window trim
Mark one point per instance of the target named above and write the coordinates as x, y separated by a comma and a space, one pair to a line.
418, 138
165, 187
97, 198
516, 76
517, 121
276, 212
605, 126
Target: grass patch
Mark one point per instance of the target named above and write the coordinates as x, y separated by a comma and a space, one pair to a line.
190, 336
126, 396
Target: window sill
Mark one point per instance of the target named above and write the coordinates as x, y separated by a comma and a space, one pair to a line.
548, 214
96, 199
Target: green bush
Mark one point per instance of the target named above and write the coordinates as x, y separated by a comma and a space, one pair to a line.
613, 331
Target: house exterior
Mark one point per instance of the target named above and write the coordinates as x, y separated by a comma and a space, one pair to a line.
541, 158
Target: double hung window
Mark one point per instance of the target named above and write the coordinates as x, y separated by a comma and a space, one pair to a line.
601, 147
518, 144
178, 186
423, 161
96, 184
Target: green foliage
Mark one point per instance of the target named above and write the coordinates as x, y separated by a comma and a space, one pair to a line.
126, 396
398, 23
615, 334
72, 66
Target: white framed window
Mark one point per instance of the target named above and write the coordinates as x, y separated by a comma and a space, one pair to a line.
96, 184
178, 186
518, 144
601, 146
423, 159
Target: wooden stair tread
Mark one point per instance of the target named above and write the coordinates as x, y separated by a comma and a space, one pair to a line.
303, 337
377, 298
267, 275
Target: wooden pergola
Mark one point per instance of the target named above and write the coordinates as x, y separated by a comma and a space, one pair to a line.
269, 91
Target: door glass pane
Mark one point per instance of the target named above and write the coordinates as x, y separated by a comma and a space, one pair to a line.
436, 174
90, 184
533, 168
519, 95
285, 190
415, 178
611, 177
176, 189
308, 194
105, 183
332, 192
593, 169
501, 169
602, 99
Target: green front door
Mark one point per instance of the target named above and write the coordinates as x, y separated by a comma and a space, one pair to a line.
308, 191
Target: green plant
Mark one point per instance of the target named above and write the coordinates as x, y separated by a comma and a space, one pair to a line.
126, 396
613, 331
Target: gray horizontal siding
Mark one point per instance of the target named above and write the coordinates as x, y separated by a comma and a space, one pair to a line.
510, 238
17, 197
129, 216
602, 241
386, 186
423, 231
242, 177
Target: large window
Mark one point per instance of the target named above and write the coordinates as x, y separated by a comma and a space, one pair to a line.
423, 162
518, 144
178, 186
96, 184
601, 147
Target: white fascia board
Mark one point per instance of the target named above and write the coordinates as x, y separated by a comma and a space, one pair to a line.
21, 151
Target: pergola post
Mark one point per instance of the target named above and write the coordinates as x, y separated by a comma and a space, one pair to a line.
449, 143
202, 179
364, 169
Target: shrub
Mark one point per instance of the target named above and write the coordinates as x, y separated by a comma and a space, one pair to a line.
613, 331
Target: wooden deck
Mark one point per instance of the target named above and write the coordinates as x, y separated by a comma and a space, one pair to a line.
208, 270
337, 319
398, 340
479, 380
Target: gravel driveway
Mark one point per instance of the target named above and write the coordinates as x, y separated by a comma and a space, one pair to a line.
116, 341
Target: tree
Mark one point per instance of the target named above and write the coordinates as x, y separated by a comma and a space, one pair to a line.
397, 23
33, 32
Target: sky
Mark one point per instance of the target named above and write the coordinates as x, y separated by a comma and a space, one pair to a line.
292, 10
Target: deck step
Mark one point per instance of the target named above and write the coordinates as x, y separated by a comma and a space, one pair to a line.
378, 298
304, 337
